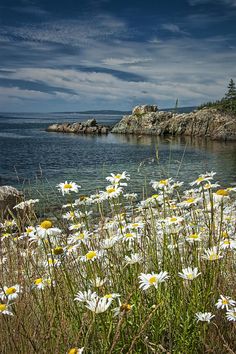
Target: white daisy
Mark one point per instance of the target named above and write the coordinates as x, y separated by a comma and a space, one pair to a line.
204, 316
189, 273
66, 187
225, 302
153, 279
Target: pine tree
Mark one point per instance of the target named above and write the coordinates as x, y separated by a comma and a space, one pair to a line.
231, 94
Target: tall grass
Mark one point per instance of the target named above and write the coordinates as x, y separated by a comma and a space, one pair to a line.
112, 249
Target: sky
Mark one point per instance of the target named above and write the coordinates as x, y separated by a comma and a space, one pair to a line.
74, 55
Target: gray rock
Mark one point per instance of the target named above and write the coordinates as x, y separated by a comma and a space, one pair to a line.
206, 122
142, 109
9, 197
88, 127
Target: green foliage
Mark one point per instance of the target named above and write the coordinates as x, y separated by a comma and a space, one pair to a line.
227, 104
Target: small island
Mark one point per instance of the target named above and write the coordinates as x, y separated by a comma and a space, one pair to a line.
89, 127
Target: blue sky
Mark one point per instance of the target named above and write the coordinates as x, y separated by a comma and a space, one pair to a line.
72, 55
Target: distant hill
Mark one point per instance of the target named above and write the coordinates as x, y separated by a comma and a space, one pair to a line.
122, 113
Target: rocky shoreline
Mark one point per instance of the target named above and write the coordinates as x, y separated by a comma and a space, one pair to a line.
88, 127
148, 120
207, 122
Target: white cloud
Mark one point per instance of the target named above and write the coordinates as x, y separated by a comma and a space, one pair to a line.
173, 28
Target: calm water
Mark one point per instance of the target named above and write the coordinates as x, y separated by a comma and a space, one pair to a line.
32, 159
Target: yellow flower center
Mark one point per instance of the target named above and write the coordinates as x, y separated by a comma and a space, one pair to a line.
29, 229
226, 242
108, 296
3, 307
135, 225
190, 200
46, 224
10, 291
57, 250
91, 255
110, 190
164, 182
155, 196
38, 281
224, 234
194, 236
67, 186
152, 280
173, 219
73, 351
128, 235
225, 302
213, 257
80, 236
200, 179
190, 276
118, 176
222, 192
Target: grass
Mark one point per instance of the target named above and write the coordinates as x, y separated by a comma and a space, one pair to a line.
109, 251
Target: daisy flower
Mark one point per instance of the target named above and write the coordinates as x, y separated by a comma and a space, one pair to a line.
91, 256
26, 204
195, 237
115, 179
231, 314
212, 254
41, 283
153, 279
225, 302
134, 258
10, 293
99, 305
189, 273
203, 178
85, 296
112, 191
228, 244
66, 187
4, 309
204, 316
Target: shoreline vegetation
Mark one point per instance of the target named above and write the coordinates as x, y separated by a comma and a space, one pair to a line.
149, 276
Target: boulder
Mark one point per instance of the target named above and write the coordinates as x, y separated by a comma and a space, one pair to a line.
142, 109
9, 197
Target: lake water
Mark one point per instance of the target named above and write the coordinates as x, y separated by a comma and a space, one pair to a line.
33, 159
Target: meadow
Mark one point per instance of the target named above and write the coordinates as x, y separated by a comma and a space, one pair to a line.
111, 274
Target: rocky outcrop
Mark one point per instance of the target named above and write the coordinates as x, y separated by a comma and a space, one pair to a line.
206, 122
88, 127
9, 197
144, 109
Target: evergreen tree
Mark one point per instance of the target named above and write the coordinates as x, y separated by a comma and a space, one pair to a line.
231, 94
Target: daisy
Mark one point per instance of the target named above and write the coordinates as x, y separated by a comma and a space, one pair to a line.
79, 237
225, 302
189, 273
112, 191
45, 229
203, 178
85, 296
162, 184
41, 283
99, 305
231, 314
91, 256
122, 308
195, 237
228, 244
115, 179
10, 293
66, 187
4, 309
212, 254
204, 316
98, 282
134, 258
153, 279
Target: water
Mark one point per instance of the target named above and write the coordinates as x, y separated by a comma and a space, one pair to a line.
35, 160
